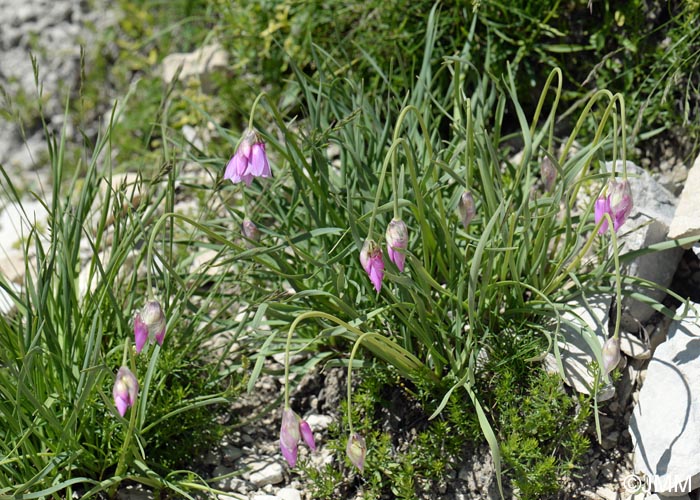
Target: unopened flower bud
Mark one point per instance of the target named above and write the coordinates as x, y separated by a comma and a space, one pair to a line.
611, 354
467, 208
356, 450
548, 173
125, 390
373, 263
397, 242
620, 202
250, 230
149, 323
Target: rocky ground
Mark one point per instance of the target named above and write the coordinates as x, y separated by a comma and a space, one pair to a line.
54, 30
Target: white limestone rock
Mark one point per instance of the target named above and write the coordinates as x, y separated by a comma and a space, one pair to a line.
686, 221
582, 335
665, 424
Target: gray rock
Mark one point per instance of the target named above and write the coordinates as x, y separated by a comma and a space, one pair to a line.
289, 494
201, 63
686, 221
633, 346
582, 334
647, 224
270, 473
665, 424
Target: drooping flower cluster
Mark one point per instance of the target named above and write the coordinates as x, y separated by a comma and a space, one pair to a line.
125, 390
249, 161
617, 204
149, 323
293, 430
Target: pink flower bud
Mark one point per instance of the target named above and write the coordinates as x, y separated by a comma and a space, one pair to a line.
356, 450
611, 354
620, 202
153, 318
307, 434
397, 242
602, 207
467, 208
250, 230
289, 436
125, 390
548, 173
373, 263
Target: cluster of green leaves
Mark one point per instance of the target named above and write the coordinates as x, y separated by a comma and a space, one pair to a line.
510, 275
71, 323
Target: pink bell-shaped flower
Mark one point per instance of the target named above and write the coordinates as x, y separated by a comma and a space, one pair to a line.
397, 242
125, 390
292, 431
356, 450
249, 161
373, 263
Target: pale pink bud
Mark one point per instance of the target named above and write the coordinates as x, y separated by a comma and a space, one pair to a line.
356, 450
397, 242
125, 390
548, 173
250, 230
611, 354
467, 208
153, 318
373, 263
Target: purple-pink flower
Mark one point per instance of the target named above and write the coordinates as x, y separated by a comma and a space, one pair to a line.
397, 242
292, 431
249, 161
125, 390
618, 205
373, 263
149, 323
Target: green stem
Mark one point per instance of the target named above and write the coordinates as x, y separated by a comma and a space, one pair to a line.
358, 342
576, 262
292, 327
394, 145
252, 109
405, 362
121, 464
